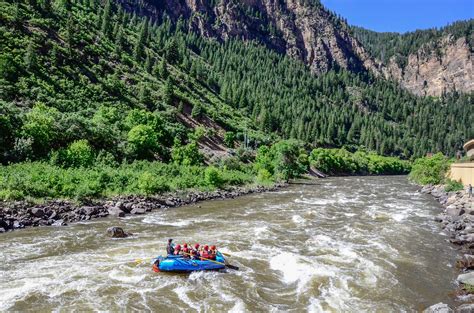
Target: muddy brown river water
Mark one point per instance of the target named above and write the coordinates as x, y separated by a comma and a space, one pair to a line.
355, 244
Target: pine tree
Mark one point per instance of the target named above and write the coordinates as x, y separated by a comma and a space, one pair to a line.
119, 42
106, 18
163, 69
70, 35
30, 57
140, 45
168, 92
148, 63
196, 112
172, 52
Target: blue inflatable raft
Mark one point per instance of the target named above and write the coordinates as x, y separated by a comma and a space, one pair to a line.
180, 264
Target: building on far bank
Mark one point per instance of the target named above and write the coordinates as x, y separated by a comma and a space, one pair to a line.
463, 171
469, 148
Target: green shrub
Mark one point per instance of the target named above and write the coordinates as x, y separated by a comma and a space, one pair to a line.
79, 153
186, 155
152, 184
143, 141
212, 177
264, 176
229, 139
430, 169
452, 185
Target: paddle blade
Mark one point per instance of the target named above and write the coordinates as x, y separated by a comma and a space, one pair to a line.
232, 267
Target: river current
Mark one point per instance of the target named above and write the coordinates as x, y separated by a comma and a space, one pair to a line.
355, 244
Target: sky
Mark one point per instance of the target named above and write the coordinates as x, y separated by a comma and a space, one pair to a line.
401, 15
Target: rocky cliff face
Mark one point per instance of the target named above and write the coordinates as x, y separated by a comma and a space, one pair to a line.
305, 30
436, 71
302, 29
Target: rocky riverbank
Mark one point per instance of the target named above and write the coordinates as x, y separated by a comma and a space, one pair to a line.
21, 214
457, 220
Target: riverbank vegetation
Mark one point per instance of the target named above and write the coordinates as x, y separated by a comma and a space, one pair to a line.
341, 161
79, 173
430, 169
433, 170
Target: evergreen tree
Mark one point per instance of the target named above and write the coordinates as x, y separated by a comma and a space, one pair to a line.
30, 57
106, 18
141, 42
168, 92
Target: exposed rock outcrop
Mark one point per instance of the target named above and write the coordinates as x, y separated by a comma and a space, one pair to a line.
435, 71
307, 31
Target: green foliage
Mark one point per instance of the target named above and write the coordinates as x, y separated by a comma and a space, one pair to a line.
151, 184
143, 142
281, 160
452, 185
41, 126
430, 169
186, 155
229, 139
264, 176
212, 177
341, 161
43, 180
197, 110
78, 154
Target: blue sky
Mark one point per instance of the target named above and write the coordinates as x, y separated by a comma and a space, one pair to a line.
401, 15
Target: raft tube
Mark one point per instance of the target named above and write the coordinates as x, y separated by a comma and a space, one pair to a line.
179, 264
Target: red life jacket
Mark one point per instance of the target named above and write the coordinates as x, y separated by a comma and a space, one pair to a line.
205, 254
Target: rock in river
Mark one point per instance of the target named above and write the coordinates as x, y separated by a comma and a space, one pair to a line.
117, 232
438, 308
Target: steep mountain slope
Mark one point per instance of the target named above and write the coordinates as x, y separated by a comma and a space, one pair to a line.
426, 62
74, 71
136, 88
302, 29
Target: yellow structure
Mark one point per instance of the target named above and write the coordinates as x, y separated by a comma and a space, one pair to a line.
464, 172
469, 148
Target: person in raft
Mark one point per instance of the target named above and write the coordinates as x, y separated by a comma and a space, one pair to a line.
177, 250
170, 247
205, 254
213, 253
186, 251
195, 252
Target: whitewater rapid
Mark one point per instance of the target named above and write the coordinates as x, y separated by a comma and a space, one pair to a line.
337, 245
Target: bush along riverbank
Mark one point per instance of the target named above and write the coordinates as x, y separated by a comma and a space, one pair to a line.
458, 212
85, 186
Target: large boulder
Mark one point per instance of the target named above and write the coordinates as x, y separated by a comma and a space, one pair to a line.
467, 278
452, 210
37, 212
114, 211
138, 210
117, 232
439, 308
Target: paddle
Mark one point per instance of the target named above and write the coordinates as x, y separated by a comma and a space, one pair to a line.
226, 254
232, 267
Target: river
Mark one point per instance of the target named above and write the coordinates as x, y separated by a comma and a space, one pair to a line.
346, 244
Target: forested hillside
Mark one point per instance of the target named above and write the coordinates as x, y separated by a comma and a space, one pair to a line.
74, 70
80, 70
